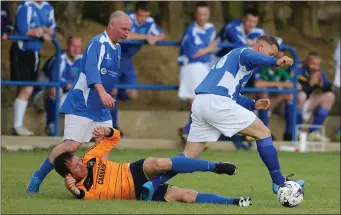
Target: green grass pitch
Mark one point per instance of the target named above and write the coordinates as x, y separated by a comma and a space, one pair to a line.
320, 170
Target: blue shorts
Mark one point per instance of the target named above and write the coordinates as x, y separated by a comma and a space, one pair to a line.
136, 169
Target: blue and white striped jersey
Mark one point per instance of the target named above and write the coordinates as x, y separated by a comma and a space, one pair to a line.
99, 65
194, 39
149, 28
32, 15
230, 74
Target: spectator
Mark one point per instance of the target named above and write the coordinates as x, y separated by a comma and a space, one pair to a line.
6, 21
197, 46
242, 32
336, 86
70, 63
311, 101
34, 19
143, 28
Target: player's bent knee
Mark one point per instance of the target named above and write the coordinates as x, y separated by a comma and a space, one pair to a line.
329, 96
162, 164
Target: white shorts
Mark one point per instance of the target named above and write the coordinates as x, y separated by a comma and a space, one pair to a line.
38, 99
80, 128
191, 75
213, 115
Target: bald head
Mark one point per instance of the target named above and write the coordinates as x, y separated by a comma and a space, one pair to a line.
118, 15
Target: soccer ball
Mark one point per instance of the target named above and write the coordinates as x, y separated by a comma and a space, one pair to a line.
290, 194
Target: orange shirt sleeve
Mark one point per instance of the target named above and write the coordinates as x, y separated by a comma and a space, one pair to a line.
103, 147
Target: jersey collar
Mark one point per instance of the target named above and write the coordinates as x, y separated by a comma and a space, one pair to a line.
111, 44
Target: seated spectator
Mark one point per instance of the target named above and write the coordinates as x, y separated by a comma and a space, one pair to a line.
197, 46
143, 28
6, 21
242, 32
316, 96
70, 63
35, 19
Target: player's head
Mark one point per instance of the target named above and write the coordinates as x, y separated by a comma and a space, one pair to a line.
202, 13
74, 46
119, 26
267, 45
313, 62
250, 19
67, 163
142, 12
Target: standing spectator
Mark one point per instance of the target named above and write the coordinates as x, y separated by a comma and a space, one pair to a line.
336, 86
70, 66
6, 21
34, 19
197, 46
312, 78
143, 28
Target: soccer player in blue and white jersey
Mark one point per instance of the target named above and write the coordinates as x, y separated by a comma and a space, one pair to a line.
219, 108
34, 19
88, 103
195, 58
70, 66
143, 28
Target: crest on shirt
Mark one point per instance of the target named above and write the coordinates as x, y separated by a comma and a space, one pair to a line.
103, 71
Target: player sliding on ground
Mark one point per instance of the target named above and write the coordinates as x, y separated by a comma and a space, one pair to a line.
93, 177
219, 108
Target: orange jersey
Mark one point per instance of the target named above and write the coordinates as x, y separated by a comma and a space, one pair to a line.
106, 179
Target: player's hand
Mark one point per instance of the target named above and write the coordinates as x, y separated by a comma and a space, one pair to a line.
107, 100
4, 36
285, 61
262, 104
315, 78
99, 132
70, 184
213, 45
38, 32
47, 37
152, 39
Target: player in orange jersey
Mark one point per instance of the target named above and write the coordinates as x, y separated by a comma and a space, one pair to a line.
92, 177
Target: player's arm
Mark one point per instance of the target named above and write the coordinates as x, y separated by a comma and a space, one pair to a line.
232, 35
22, 25
251, 59
110, 137
79, 191
50, 29
209, 49
246, 102
95, 55
136, 36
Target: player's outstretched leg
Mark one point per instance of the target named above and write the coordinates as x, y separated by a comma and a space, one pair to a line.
47, 166
267, 152
179, 164
192, 196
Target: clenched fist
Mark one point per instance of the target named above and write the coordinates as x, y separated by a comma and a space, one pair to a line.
262, 104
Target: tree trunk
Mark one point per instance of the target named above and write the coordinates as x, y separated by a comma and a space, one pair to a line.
216, 12
268, 17
174, 19
115, 5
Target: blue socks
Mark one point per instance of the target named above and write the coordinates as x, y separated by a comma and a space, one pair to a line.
160, 179
189, 165
269, 157
214, 199
50, 108
45, 168
319, 117
114, 116
264, 116
288, 117
188, 125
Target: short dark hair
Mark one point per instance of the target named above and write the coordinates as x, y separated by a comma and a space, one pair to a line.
201, 4
314, 54
60, 163
142, 5
251, 11
269, 39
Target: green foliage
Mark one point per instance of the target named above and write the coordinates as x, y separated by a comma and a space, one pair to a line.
320, 170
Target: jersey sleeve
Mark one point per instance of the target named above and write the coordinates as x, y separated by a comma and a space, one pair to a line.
21, 23
103, 147
246, 102
51, 23
188, 46
155, 30
232, 35
250, 59
94, 58
86, 195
